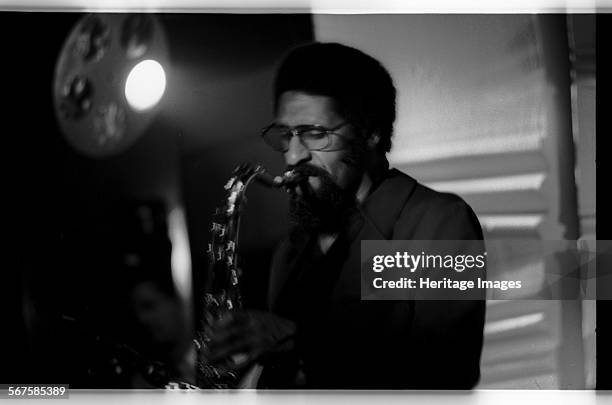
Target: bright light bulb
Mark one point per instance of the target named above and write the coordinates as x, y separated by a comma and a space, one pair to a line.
145, 85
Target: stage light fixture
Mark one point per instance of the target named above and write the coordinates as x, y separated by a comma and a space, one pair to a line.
109, 80
145, 85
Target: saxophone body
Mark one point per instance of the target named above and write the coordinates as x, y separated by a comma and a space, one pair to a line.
223, 292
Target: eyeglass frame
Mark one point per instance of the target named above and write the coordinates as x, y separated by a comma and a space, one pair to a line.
298, 130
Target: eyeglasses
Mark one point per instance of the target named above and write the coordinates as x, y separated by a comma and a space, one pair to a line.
313, 137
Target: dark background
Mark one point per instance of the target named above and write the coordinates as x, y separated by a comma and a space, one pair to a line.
69, 217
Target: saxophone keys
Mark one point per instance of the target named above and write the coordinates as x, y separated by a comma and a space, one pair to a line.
234, 276
230, 183
217, 227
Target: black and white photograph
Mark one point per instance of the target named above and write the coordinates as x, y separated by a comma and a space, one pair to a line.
249, 200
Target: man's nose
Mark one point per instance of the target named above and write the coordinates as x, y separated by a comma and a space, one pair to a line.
297, 152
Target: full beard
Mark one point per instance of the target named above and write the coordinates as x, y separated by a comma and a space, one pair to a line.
324, 210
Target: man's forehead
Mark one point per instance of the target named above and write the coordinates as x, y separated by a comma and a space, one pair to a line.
306, 108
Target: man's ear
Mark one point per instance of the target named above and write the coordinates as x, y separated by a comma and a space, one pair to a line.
373, 140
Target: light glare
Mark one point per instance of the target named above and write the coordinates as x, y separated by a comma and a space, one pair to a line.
145, 85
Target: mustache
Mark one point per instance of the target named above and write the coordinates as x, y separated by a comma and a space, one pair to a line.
306, 170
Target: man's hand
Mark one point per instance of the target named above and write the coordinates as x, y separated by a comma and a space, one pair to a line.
241, 338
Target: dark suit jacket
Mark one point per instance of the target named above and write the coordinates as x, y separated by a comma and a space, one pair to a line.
355, 344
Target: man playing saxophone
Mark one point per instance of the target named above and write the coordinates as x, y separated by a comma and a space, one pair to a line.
334, 115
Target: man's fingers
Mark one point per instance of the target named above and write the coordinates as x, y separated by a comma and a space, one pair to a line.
227, 349
253, 334
221, 335
224, 336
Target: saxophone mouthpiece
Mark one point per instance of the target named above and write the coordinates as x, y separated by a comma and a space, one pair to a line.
289, 179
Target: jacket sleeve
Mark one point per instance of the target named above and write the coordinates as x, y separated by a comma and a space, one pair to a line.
447, 336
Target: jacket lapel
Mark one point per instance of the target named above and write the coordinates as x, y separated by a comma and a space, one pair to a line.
380, 212
382, 208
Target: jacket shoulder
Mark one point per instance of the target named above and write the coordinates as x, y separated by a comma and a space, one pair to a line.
430, 214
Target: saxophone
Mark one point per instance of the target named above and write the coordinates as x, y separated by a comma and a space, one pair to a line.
223, 289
